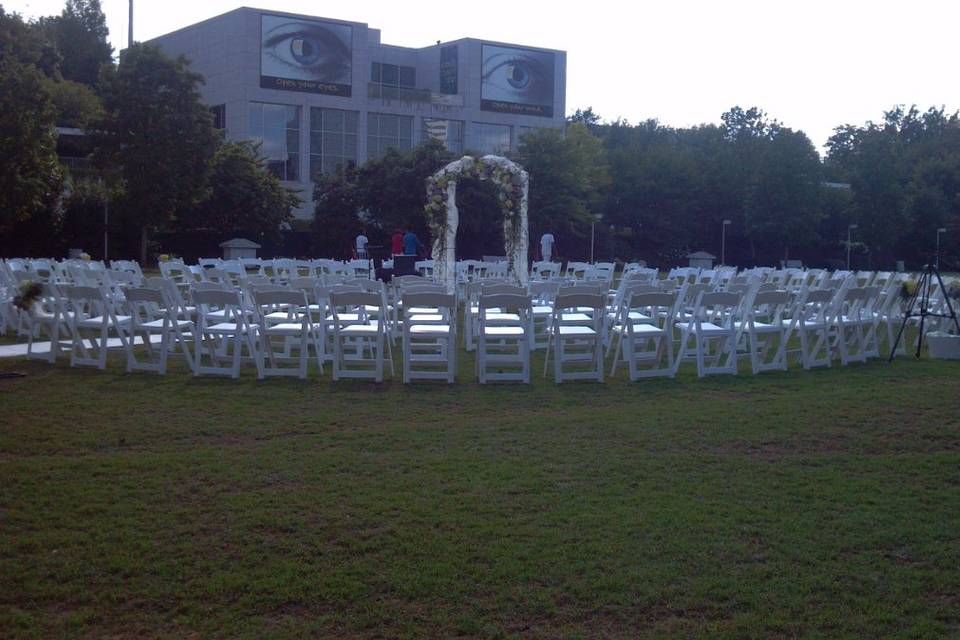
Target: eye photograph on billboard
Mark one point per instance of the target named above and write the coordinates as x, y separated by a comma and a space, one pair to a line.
517, 80
305, 55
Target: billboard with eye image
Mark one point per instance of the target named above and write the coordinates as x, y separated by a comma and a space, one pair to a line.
515, 80
305, 55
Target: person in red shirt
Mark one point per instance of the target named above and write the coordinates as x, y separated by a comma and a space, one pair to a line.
396, 242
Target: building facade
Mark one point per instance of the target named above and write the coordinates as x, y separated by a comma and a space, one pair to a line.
319, 93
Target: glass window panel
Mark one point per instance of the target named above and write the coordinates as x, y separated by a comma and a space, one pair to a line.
293, 166
391, 75
316, 142
350, 122
373, 124
316, 166
408, 77
293, 117
373, 148
405, 127
316, 119
256, 119
350, 147
293, 141
375, 72
389, 126
333, 144
333, 120
274, 116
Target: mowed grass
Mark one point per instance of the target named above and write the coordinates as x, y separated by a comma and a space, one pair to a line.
799, 504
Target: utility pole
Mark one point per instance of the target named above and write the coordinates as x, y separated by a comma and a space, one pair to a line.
939, 231
130, 27
723, 243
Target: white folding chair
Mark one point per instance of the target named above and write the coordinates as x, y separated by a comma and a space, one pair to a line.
429, 336
811, 321
284, 314
91, 322
767, 329
152, 312
223, 331
575, 342
713, 333
504, 337
359, 335
643, 334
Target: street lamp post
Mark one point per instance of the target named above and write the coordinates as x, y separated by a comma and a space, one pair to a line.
723, 243
939, 231
850, 229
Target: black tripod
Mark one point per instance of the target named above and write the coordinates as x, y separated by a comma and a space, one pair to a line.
922, 294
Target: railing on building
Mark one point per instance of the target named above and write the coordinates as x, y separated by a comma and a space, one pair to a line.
419, 97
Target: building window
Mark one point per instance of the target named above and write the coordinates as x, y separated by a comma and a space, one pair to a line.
392, 75
219, 113
448, 70
385, 130
449, 132
277, 127
492, 138
333, 140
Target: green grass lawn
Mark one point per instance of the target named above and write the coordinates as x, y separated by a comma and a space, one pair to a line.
814, 504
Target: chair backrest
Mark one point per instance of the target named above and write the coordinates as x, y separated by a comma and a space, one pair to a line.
342, 299
575, 299
499, 288
508, 301
216, 298
275, 298
433, 299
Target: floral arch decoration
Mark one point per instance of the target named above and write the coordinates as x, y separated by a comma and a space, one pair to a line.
443, 216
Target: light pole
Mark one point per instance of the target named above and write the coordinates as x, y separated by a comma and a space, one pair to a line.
850, 229
723, 243
593, 224
939, 231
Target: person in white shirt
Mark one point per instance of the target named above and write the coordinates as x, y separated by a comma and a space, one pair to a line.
362, 242
546, 246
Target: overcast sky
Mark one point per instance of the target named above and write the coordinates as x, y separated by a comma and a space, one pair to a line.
811, 64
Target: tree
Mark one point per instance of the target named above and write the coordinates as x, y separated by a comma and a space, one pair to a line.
568, 181
904, 174
75, 104
244, 196
30, 175
391, 189
157, 135
336, 216
80, 34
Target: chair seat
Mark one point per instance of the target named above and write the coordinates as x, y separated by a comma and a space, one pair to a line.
97, 321
503, 331
286, 328
158, 324
567, 330
705, 327
422, 310
501, 317
229, 327
426, 317
430, 329
640, 328
364, 330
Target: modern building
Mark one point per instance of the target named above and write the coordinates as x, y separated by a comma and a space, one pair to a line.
319, 92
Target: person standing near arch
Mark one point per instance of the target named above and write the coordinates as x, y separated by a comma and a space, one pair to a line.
546, 246
361, 244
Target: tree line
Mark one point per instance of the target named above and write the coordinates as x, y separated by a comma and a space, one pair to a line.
654, 192
157, 162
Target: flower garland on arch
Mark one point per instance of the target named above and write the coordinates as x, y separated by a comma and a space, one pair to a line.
508, 176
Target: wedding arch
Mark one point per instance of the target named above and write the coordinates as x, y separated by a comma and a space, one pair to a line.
443, 216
